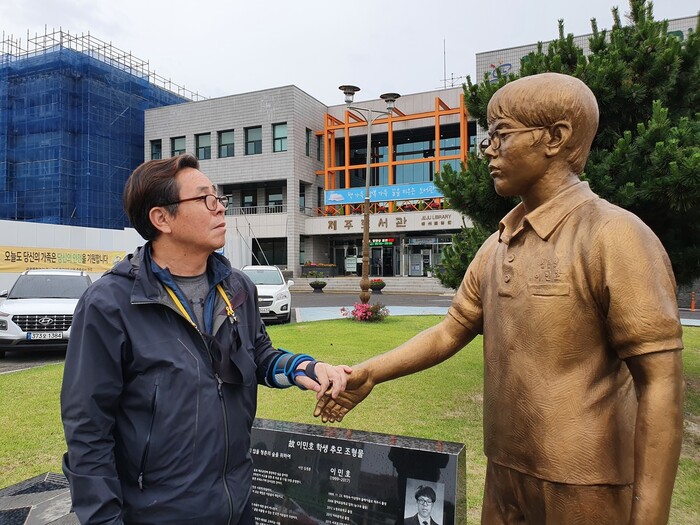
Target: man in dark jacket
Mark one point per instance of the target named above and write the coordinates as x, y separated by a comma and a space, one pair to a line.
165, 355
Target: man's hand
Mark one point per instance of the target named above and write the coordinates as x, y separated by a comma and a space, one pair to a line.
332, 409
330, 380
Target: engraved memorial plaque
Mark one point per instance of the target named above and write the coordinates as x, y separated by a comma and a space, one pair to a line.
310, 474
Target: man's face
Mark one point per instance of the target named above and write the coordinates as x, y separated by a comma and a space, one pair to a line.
516, 156
425, 506
201, 229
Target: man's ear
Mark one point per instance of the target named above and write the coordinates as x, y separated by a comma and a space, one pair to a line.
559, 136
160, 219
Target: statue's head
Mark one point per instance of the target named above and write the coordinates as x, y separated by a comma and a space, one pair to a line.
548, 98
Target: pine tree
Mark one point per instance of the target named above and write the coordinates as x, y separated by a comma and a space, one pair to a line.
646, 154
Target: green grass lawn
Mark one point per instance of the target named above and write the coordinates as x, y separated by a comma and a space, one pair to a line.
441, 403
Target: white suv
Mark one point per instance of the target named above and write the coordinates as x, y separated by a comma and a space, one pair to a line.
38, 310
274, 297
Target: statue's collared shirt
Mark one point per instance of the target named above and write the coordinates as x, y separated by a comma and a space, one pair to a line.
563, 295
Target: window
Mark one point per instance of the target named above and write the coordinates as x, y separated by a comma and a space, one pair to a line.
225, 144
177, 146
308, 142
253, 141
203, 143
318, 147
271, 251
279, 137
302, 250
274, 200
302, 197
249, 200
156, 149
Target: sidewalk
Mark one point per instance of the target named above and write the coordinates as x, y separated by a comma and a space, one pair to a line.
324, 313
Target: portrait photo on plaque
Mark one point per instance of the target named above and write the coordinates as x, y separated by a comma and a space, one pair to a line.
424, 502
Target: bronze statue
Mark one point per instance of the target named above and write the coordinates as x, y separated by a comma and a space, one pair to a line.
575, 297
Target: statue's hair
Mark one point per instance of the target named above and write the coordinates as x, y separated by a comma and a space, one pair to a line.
542, 100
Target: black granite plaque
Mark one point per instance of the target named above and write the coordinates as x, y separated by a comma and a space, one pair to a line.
310, 474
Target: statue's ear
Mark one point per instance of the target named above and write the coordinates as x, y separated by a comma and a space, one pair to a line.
559, 136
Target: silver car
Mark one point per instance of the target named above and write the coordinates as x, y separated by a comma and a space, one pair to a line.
37, 312
274, 297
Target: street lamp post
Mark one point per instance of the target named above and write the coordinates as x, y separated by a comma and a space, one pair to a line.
370, 115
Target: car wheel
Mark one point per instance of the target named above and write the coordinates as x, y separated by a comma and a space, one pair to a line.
2, 354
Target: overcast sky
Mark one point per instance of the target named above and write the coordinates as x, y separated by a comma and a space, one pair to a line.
223, 47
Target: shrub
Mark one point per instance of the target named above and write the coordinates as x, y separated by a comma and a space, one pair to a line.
366, 312
320, 265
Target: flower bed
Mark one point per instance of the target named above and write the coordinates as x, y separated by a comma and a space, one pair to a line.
319, 270
366, 312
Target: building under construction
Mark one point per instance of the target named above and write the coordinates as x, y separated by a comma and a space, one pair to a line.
72, 127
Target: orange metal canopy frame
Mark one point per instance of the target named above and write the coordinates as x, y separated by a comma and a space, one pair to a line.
332, 125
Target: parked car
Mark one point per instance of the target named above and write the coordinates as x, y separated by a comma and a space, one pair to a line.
37, 312
274, 297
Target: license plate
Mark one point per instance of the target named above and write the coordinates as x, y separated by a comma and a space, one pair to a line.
264, 310
44, 335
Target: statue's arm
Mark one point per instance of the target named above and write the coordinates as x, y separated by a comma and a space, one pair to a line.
426, 349
658, 378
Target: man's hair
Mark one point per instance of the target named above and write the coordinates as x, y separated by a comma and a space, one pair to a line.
542, 100
153, 184
428, 492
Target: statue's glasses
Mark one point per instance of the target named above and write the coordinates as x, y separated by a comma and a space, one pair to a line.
210, 201
494, 139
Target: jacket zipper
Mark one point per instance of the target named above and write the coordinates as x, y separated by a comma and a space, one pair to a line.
226, 445
144, 458
219, 385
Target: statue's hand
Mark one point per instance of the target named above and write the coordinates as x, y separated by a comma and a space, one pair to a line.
358, 387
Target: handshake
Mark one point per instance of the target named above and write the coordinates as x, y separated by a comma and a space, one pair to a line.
338, 389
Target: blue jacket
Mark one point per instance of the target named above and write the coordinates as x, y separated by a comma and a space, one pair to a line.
157, 417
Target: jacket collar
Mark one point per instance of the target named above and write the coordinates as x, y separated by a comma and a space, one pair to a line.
149, 277
546, 218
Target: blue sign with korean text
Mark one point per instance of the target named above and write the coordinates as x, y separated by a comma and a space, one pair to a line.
396, 192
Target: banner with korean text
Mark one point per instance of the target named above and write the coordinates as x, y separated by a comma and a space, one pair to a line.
16, 259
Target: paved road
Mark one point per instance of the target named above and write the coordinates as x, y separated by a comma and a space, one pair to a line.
311, 306
304, 302
14, 361
310, 299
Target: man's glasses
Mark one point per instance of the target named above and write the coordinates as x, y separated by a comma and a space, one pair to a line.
494, 139
210, 201
425, 501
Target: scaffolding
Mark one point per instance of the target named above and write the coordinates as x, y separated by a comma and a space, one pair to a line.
72, 127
